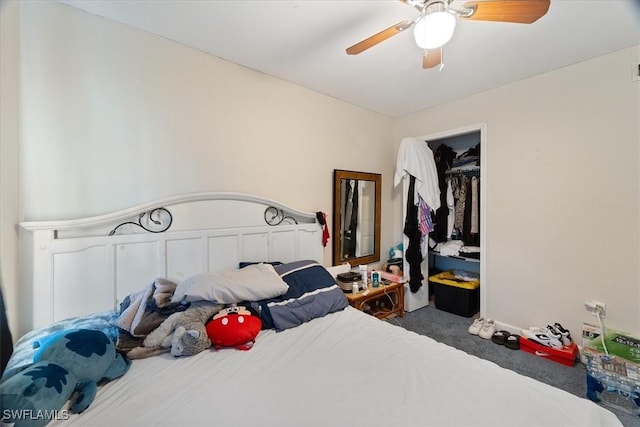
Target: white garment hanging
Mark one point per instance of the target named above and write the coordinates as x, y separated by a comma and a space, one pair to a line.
416, 158
474, 206
451, 204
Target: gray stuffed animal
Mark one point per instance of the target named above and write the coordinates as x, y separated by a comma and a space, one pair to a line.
184, 332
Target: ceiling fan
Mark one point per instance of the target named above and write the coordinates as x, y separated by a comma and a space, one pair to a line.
436, 23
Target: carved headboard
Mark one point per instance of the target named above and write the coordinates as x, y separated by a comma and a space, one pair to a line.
81, 266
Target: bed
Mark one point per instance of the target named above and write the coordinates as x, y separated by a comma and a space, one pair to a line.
338, 368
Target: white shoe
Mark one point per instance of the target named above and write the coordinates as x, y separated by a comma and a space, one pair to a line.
555, 330
474, 329
488, 329
547, 336
564, 333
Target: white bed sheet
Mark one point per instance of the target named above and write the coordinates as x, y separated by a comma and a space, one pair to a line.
346, 369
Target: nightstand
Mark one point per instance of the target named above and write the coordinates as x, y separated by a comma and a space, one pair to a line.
382, 302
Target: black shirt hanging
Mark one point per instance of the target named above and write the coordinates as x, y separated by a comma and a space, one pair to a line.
412, 231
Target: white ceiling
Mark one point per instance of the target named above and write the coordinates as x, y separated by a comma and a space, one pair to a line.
304, 42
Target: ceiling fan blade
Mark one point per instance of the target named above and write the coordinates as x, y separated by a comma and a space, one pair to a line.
517, 11
432, 58
379, 37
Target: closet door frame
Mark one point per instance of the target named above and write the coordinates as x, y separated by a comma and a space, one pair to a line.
482, 128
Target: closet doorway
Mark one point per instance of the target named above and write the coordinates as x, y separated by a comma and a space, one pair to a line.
468, 140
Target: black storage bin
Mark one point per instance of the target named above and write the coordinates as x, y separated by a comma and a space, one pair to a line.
455, 296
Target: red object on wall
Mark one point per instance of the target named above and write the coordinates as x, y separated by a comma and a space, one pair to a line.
322, 219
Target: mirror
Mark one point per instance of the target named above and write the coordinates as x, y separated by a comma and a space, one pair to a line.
356, 217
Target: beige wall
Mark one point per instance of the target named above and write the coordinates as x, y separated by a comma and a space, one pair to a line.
562, 191
9, 145
118, 116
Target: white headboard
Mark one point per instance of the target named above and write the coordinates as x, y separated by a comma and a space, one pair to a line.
76, 267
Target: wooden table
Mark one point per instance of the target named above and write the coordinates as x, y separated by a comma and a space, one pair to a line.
382, 302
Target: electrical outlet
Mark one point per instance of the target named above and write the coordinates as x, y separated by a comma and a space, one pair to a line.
596, 308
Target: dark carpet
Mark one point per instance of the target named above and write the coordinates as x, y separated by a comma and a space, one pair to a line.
451, 329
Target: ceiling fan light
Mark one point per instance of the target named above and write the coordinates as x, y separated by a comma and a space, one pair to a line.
434, 29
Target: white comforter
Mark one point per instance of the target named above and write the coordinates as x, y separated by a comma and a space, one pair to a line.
346, 369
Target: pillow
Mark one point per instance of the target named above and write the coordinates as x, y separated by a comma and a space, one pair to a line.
243, 264
312, 293
252, 283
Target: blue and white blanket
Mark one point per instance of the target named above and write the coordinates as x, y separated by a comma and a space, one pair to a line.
24, 349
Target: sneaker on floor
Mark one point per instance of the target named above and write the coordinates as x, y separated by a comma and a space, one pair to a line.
566, 335
475, 328
547, 337
488, 329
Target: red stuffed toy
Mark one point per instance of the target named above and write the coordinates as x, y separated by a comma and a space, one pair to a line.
233, 326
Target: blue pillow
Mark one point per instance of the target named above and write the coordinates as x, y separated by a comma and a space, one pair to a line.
312, 293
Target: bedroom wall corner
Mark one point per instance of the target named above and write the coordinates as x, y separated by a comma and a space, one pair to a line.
567, 230
9, 158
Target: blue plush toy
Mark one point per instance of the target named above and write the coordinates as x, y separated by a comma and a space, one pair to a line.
68, 365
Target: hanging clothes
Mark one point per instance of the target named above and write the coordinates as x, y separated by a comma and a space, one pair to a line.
350, 223
353, 224
322, 220
443, 157
415, 158
460, 194
475, 226
412, 231
466, 225
465, 207
348, 206
473, 235
451, 205
424, 217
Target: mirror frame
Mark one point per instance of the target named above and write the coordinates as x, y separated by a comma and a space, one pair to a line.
339, 175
